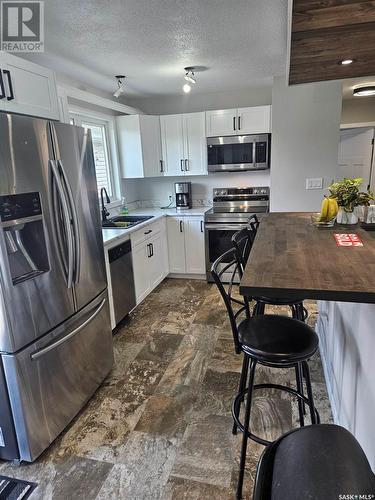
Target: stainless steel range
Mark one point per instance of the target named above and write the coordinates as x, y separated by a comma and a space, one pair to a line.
231, 210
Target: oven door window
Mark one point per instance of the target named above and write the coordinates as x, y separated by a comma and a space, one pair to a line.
219, 241
229, 154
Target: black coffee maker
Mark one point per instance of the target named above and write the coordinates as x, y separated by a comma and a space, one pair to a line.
183, 195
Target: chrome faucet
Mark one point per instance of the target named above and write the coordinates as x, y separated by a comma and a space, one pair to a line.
105, 212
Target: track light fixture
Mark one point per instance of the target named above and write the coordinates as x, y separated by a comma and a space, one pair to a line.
120, 86
190, 78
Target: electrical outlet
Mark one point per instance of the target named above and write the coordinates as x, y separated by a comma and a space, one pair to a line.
170, 197
316, 183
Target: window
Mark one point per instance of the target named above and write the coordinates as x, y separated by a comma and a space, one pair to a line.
99, 143
104, 147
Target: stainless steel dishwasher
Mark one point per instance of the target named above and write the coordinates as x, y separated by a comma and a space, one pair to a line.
122, 279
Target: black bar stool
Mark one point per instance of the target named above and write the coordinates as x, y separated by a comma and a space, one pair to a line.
271, 340
322, 462
243, 241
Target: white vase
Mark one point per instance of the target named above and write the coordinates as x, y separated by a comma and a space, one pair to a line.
346, 218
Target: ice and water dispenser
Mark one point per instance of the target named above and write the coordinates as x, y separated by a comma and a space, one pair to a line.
22, 222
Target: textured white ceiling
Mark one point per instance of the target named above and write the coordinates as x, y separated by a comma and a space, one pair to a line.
241, 42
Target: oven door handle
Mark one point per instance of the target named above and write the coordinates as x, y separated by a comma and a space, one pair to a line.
225, 227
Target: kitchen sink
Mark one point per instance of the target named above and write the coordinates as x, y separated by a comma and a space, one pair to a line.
124, 221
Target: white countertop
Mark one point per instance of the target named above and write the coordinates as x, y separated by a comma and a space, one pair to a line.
110, 235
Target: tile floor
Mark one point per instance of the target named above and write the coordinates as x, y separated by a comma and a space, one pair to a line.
160, 426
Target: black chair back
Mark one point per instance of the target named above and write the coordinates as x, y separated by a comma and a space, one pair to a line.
254, 222
228, 265
242, 242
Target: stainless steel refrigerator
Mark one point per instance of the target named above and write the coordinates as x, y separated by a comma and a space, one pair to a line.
55, 334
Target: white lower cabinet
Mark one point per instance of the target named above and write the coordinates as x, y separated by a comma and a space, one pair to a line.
150, 258
194, 245
176, 245
186, 245
140, 270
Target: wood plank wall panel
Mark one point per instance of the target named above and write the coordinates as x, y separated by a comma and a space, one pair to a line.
325, 32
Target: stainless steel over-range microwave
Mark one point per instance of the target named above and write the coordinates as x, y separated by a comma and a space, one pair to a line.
238, 153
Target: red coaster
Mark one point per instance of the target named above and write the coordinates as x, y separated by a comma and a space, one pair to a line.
348, 240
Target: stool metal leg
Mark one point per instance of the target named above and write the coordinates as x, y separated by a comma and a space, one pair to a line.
253, 364
245, 369
309, 391
301, 406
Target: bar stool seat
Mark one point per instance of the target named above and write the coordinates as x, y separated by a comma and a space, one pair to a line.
319, 462
277, 339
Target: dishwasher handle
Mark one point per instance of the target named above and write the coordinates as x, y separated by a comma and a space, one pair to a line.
119, 251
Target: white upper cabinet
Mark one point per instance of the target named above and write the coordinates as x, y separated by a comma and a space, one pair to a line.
184, 144
172, 140
221, 122
28, 88
240, 121
254, 120
139, 146
195, 144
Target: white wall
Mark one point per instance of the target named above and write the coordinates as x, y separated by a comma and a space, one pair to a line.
157, 189
305, 141
189, 103
358, 110
347, 344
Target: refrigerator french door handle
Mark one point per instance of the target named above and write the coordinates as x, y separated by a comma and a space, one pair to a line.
8, 75
66, 216
44, 350
77, 248
2, 88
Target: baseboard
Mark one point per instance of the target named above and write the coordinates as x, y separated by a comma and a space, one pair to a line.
187, 276
332, 402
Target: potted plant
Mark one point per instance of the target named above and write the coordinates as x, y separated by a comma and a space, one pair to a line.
348, 196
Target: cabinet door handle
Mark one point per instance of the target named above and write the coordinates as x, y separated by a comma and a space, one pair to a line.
186, 165
148, 250
2, 88
181, 226
182, 165
161, 166
239, 123
7, 73
152, 250
234, 123
148, 232
201, 226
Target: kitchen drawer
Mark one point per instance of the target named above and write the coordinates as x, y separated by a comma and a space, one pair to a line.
146, 232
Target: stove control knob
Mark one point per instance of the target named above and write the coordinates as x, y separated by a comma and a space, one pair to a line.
223, 192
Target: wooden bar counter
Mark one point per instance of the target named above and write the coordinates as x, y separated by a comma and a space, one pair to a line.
292, 258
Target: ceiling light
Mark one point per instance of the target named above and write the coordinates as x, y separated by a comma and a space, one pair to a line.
120, 86
345, 62
190, 78
364, 91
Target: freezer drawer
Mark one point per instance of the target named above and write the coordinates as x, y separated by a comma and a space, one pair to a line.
50, 381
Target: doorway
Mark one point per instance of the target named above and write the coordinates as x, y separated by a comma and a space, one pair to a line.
356, 155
